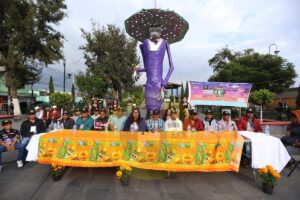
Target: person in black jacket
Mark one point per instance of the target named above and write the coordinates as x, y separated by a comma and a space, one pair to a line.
9, 142
30, 127
67, 121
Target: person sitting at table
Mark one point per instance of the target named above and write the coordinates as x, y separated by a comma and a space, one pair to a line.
54, 112
167, 115
193, 123
249, 123
292, 137
95, 114
117, 120
102, 122
52, 123
173, 124
84, 122
31, 126
210, 124
66, 121
226, 124
9, 142
155, 123
76, 115
135, 122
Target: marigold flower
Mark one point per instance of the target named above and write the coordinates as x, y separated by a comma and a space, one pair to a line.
129, 169
270, 168
119, 173
265, 170
53, 165
59, 167
122, 167
260, 171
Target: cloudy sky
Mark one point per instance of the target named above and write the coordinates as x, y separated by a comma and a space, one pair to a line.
239, 24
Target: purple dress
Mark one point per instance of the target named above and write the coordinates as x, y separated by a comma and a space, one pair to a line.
153, 66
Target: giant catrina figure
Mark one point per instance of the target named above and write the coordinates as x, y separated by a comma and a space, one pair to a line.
156, 29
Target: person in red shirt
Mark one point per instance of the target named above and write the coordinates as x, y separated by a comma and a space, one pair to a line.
193, 122
249, 123
54, 112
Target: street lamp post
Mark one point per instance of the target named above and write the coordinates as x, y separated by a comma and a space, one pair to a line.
276, 50
64, 75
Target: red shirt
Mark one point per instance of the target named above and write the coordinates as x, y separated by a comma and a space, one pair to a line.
242, 125
197, 124
56, 115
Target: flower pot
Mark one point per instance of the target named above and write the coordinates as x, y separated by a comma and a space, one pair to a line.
267, 188
125, 182
56, 178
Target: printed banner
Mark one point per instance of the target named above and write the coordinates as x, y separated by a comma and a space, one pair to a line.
170, 151
219, 94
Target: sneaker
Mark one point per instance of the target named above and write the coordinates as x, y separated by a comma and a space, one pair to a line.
20, 163
0, 168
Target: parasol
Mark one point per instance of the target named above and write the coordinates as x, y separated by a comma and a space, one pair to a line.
174, 27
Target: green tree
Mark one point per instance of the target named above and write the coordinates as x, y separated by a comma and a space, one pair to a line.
262, 97
90, 85
110, 54
28, 40
51, 86
61, 100
263, 71
298, 98
181, 92
186, 94
134, 95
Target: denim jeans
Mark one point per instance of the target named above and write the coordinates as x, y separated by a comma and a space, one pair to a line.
25, 141
20, 147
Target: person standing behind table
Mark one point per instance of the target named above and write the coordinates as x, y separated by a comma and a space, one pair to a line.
135, 122
210, 124
173, 124
102, 122
249, 123
8, 142
155, 124
30, 127
76, 115
226, 124
167, 115
117, 120
84, 122
66, 121
193, 122
95, 114
39, 113
95, 104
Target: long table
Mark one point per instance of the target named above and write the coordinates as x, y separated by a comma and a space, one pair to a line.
170, 151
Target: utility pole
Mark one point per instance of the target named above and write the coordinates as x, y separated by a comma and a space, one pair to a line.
64, 75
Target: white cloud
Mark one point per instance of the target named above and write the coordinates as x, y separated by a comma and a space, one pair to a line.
240, 24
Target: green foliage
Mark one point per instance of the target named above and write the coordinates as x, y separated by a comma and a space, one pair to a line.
298, 98
110, 54
262, 97
134, 95
181, 92
186, 94
90, 85
263, 71
61, 100
28, 39
51, 86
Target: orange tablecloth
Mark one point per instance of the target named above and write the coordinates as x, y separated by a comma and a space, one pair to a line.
172, 151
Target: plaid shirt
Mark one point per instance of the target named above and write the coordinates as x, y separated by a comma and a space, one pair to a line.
155, 125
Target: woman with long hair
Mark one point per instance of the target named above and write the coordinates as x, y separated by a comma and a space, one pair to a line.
135, 122
167, 115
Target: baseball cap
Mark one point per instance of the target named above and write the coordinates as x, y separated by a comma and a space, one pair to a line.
193, 112
31, 112
66, 112
6, 121
96, 109
173, 111
156, 112
249, 110
208, 112
226, 112
84, 110
77, 109
37, 108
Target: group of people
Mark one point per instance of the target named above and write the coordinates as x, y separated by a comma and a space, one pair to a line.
98, 118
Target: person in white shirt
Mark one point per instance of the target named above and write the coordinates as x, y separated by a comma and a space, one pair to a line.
173, 124
210, 124
226, 124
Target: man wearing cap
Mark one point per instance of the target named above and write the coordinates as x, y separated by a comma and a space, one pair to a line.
77, 114
84, 122
226, 124
96, 113
67, 122
8, 142
173, 124
249, 123
155, 123
31, 126
118, 119
210, 124
102, 122
193, 123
